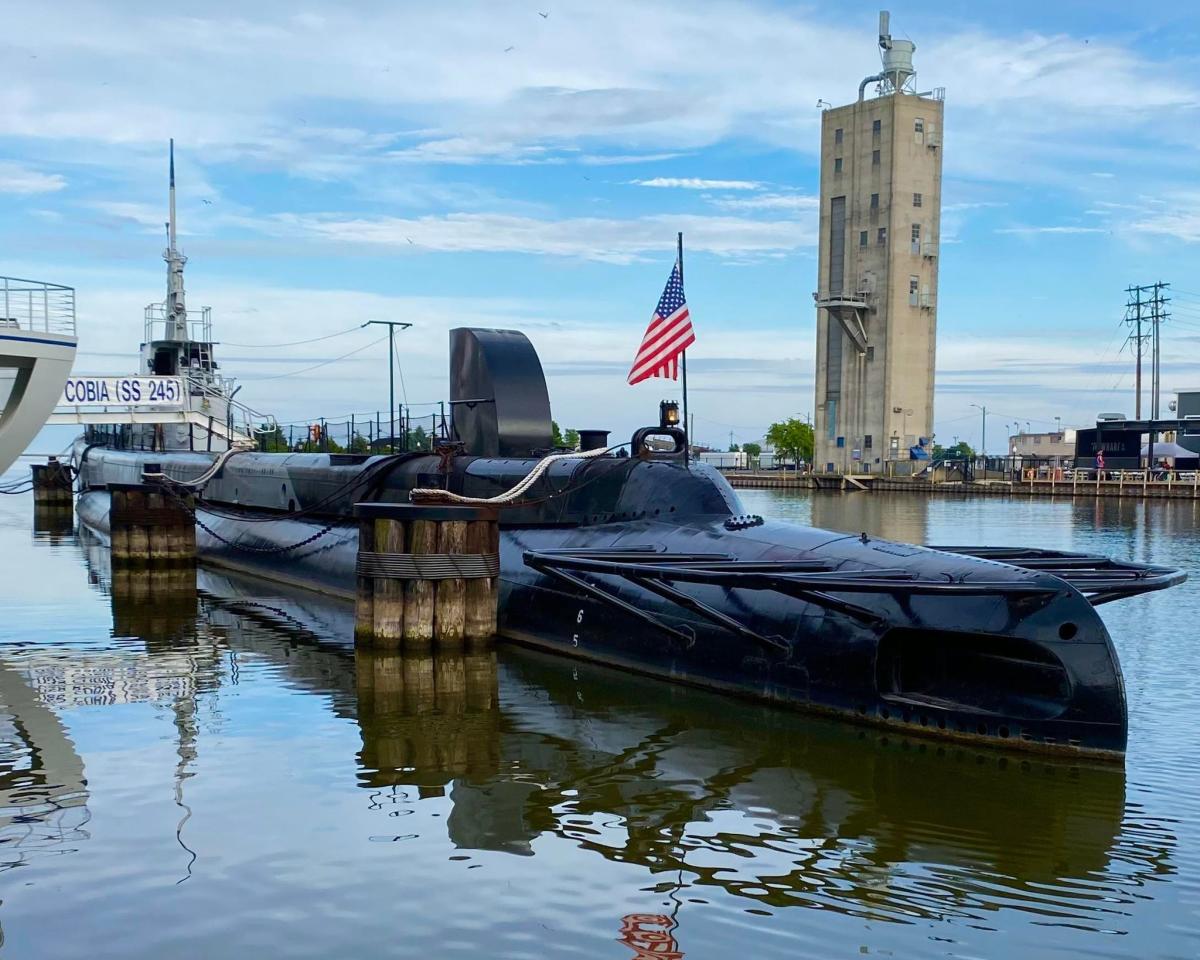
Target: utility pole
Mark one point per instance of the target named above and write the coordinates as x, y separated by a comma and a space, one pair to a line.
391, 325
1158, 313
983, 439
1133, 316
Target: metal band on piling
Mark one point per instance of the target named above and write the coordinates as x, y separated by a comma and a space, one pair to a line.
426, 575
432, 566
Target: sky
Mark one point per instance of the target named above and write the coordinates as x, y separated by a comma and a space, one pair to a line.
527, 165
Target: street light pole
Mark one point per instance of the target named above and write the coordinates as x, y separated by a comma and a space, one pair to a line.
391, 325
983, 439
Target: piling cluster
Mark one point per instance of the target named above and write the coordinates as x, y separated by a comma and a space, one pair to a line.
151, 525
427, 576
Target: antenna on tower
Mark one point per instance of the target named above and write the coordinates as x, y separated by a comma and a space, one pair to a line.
175, 305
171, 215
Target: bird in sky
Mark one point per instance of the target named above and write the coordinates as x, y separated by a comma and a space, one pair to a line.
209, 202
544, 16
509, 49
409, 239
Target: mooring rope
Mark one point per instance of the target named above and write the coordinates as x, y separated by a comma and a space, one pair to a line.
435, 495
201, 480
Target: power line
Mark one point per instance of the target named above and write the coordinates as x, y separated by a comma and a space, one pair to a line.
293, 343
323, 363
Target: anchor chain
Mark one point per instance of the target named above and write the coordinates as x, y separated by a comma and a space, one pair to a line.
287, 548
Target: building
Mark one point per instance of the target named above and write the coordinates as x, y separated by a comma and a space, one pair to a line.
1059, 445
881, 196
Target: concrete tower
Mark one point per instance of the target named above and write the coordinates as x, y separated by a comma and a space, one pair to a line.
881, 199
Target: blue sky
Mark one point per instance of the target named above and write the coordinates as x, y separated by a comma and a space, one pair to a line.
341, 162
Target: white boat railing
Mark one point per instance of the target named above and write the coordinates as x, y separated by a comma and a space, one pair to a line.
239, 417
36, 306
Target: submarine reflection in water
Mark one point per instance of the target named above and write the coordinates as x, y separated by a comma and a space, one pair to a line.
777, 808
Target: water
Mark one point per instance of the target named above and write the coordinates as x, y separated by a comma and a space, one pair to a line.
213, 775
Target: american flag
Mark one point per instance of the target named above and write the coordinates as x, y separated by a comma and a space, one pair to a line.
669, 334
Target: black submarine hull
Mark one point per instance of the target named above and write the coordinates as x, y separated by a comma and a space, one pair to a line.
1033, 669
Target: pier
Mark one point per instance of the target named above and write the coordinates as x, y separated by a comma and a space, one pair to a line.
1137, 484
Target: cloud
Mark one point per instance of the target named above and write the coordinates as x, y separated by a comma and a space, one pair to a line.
597, 86
696, 183
473, 150
796, 202
16, 178
1179, 219
590, 238
601, 160
1051, 229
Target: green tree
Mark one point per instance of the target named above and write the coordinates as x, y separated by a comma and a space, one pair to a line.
959, 451
570, 439
752, 450
272, 439
734, 448
417, 439
793, 438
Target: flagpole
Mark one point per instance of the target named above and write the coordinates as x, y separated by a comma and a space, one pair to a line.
687, 435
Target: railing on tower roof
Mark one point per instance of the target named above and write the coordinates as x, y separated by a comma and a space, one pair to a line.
37, 306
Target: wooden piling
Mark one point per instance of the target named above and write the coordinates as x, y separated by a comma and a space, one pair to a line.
364, 598
418, 593
483, 539
387, 614
449, 621
52, 483
150, 525
426, 575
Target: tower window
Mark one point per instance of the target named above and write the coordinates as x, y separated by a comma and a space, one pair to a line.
837, 136
916, 238
862, 238
916, 199
919, 130
913, 295
867, 442
874, 158
876, 127
837, 165
881, 236
874, 201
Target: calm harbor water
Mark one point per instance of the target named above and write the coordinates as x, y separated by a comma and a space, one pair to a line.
200, 769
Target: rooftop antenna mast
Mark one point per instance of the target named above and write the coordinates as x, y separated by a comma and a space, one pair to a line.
176, 307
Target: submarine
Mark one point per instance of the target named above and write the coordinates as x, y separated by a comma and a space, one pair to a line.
636, 556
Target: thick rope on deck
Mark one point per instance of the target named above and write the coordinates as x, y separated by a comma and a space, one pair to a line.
434, 495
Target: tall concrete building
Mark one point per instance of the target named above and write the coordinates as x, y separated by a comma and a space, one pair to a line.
881, 199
